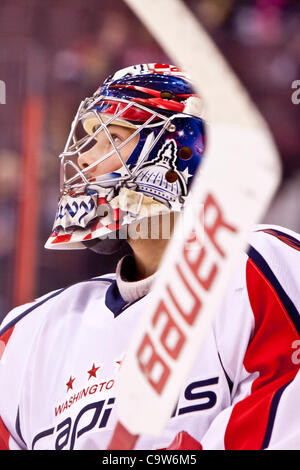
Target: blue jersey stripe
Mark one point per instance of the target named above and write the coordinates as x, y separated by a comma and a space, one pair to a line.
272, 415
115, 302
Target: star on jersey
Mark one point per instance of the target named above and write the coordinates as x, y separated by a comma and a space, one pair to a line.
120, 360
70, 383
93, 371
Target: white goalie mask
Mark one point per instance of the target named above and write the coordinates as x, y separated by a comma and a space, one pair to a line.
132, 152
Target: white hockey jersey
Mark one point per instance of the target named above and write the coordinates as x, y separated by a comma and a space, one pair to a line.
60, 357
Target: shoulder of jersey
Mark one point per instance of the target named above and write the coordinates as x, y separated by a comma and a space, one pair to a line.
276, 243
274, 252
78, 289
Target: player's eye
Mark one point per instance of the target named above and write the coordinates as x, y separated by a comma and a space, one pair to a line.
95, 127
117, 139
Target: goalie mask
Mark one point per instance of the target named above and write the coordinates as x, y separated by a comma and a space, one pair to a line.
132, 152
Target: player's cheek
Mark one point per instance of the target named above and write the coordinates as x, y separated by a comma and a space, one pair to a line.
109, 165
128, 149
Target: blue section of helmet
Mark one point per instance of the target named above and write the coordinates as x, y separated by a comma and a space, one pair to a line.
158, 82
189, 133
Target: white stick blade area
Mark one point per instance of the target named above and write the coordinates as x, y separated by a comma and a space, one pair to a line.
238, 178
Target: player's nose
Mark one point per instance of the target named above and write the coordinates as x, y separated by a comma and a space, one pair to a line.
85, 160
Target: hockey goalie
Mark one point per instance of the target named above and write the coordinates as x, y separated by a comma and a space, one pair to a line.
127, 169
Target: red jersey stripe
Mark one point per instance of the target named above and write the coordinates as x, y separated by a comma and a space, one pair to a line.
270, 354
4, 436
4, 340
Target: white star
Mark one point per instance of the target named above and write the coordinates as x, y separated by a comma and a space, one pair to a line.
186, 174
128, 218
122, 171
176, 206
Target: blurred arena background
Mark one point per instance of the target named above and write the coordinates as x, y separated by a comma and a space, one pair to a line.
53, 53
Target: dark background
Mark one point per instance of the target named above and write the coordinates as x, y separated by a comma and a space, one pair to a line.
63, 49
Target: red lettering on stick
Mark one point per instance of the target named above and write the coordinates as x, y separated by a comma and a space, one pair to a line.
211, 205
172, 338
154, 361
191, 316
169, 328
195, 265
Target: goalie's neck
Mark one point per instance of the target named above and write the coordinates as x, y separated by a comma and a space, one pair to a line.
135, 274
130, 288
148, 252
147, 256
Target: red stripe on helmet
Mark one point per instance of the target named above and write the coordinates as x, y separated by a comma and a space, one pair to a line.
62, 238
157, 101
170, 105
88, 237
132, 114
101, 200
167, 69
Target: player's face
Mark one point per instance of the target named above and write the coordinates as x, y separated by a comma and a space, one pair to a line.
102, 146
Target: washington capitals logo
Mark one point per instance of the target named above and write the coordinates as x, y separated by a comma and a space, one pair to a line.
160, 176
166, 156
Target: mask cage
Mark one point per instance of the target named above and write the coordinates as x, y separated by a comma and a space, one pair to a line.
75, 179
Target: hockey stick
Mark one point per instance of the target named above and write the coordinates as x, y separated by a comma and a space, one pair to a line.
238, 178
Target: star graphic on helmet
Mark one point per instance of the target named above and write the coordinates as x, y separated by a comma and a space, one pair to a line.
93, 371
176, 206
123, 171
186, 174
128, 218
70, 383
